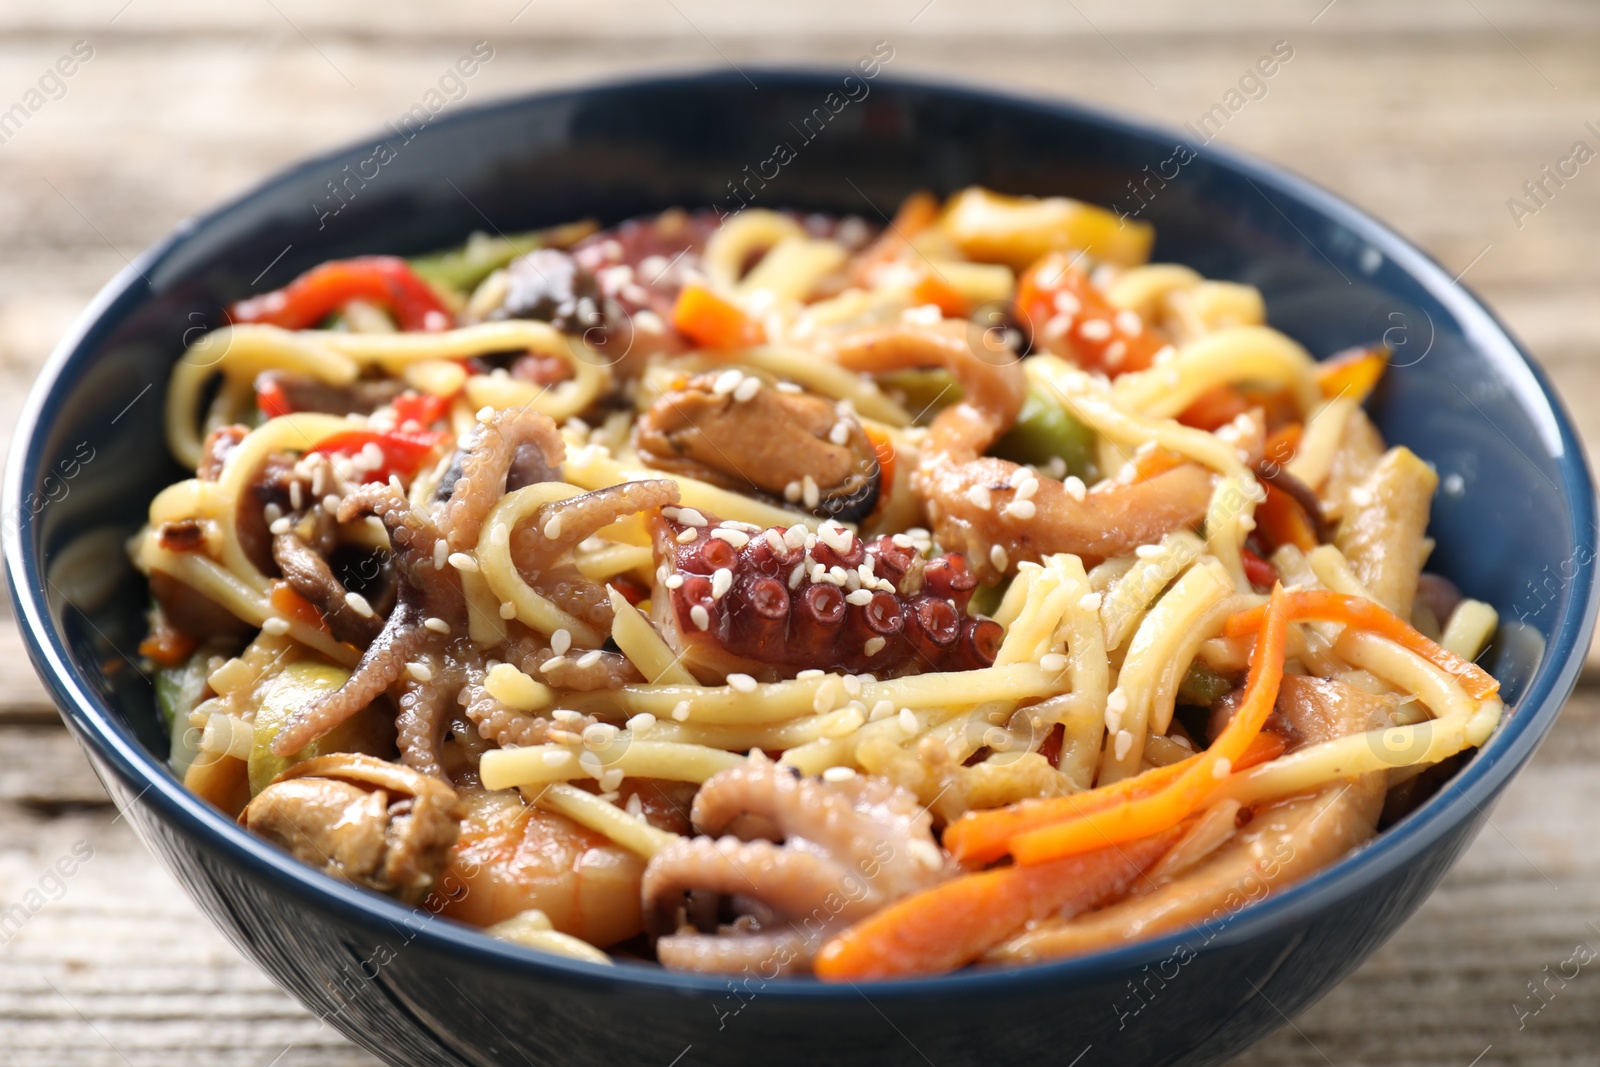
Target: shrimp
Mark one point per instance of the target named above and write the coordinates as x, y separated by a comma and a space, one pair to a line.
511, 857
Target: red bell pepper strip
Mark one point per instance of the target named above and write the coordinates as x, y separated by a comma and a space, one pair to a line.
1096, 335
323, 290
403, 450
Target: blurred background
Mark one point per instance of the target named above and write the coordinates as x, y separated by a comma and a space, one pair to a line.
1445, 118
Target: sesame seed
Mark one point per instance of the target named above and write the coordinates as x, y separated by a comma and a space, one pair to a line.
560, 641
508, 610
860, 598
279, 527
826, 696
721, 582
838, 774
808, 674
436, 624
1222, 768
1148, 551
420, 671
908, 720
809, 491
590, 762
463, 562
1066, 303
1117, 701
1124, 744
1054, 662
499, 534
680, 711
998, 557
553, 663
599, 734
1027, 487
552, 528
775, 542
642, 723
674, 581
485, 413
747, 390
359, 605
742, 683
736, 538
873, 646
691, 517
687, 536
1113, 720
441, 552
726, 382
330, 504
852, 685
795, 536
791, 492
840, 433
295, 499
589, 659
1021, 509
979, 495
611, 780
1075, 487
566, 716
1129, 321
1089, 602
789, 387
700, 617
275, 626
1094, 330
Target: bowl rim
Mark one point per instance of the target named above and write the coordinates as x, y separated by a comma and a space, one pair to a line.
1463, 797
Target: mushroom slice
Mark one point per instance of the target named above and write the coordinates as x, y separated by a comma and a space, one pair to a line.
366, 820
738, 432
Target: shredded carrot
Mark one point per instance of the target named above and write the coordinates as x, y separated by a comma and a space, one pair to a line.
1362, 614
1280, 520
953, 923
713, 322
933, 289
1266, 747
1199, 778
1156, 462
166, 645
1284, 443
292, 604
884, 448
1353, 374
1215, 408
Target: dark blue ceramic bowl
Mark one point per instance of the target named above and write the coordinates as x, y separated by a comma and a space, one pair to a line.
1516, 527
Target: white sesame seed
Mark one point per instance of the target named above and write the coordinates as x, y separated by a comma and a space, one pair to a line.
873, 646
275, 626
485, 413
774, 539
1124, 744
998, 557
359, 605
295, 498
795, 536
553, 663
721, 582
700, 617
860, 597
642, 723
1027, 487
852, 685
508, 610
1129, 321
1117, 700
1021, 509
691, 517
674, 581
680, 711
747, 390
1094, 329
1089, 602
590, 658
1148, 551
1075, 487
420, 671
552, 528
979, 495
838, 774
809, 492
1066, 303
791, 492
840, 433
279, 527
736, 538
1113, 721
436, 624
599, 734
560, 641
741, 683
611, 780
330, 504
441, 552
908, 720
808, 674
461, 561
687, 536
726, 382
499, 534
1222, 768
825, 698
1054, 662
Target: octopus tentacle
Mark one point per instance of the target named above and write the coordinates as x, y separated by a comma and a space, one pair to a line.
540, 546
424, 710
510, 439
789, 881
507, 726
772, 602
581, 671
309, 575
785, 951
426, 594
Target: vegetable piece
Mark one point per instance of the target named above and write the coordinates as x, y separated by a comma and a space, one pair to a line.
1280, 520
219, 780
1017, 230
1199, 778
1260, 573
167, 645
323, 290
290, 604
1214, 408
403, 451
1044, 430
883, 448
424, 409
177, 690
290, 690
1283, 443
939, 929
1203, 686
1094, 334
272, 399
1362, 614
924, 393
1353, 373
713, 322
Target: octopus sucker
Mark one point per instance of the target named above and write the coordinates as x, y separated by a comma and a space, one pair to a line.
504, 725
426, 594
512, 442
775, 602
813, 857
424, 713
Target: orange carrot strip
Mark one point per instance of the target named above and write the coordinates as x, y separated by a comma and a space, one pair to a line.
712, 322
980, 837
167, 646
953, 923
1353, 374
291, 603
1362, 614
1214, 408
1201, 776
1280, 520
1266, 747
1284, 443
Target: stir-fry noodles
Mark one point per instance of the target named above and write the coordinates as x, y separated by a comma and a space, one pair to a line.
790, 593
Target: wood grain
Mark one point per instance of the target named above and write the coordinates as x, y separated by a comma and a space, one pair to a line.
1429, 114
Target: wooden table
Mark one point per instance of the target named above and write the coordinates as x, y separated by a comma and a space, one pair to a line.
1430, 114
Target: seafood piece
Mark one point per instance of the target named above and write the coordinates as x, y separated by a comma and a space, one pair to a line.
738, 433
511, 856
799, 858
732, 597
514, 448
362, 819
548, 284
310, 575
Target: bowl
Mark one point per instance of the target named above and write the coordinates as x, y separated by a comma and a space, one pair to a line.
1515, 525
